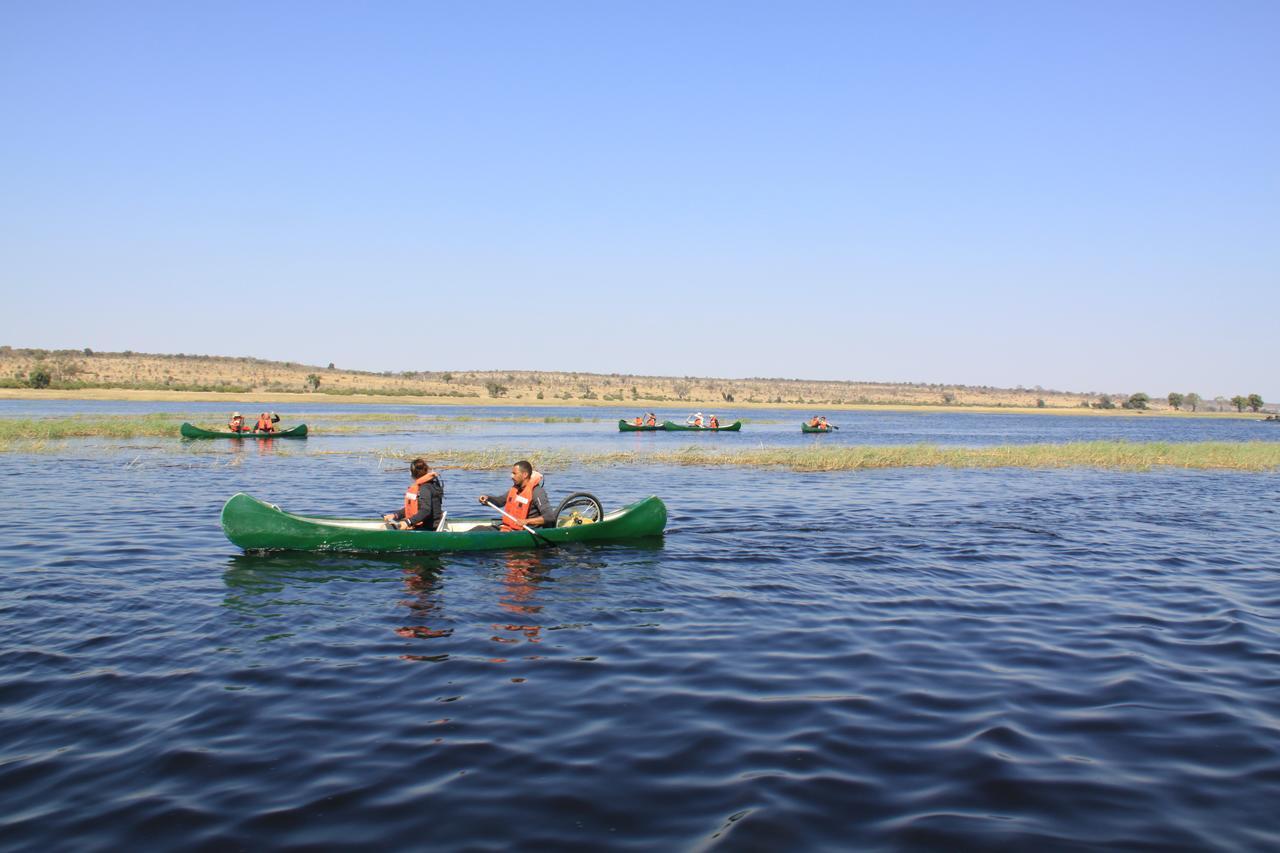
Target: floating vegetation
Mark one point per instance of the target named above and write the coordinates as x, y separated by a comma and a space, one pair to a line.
118, 426
1115, 455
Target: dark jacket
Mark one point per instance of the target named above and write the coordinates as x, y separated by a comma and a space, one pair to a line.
430, 505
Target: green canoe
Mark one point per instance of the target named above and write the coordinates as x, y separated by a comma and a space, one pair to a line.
804, 427
189, 431
258, 526
675, 427
626, 426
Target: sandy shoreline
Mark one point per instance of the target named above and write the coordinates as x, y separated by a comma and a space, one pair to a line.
718, 406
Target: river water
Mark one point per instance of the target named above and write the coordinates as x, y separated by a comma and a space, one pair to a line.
891, 659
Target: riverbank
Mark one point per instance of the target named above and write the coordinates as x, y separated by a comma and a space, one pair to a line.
281, 399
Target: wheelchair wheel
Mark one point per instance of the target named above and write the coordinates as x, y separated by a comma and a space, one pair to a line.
579, 508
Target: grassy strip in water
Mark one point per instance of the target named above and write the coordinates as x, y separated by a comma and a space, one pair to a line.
1113, 455
47, 429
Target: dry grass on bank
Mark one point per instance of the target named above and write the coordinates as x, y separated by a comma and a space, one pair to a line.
245, 378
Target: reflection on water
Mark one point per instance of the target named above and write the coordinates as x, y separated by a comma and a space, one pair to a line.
892, 660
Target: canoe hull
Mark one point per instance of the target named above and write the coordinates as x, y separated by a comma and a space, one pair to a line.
671, 426
806, 428
255, 525
189, 431
623, 426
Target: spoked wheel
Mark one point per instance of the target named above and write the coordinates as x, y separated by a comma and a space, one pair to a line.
579, 508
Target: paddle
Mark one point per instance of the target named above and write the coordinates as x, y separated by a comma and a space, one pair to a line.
536, 535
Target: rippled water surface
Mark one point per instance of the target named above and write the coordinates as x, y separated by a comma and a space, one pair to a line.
863, 660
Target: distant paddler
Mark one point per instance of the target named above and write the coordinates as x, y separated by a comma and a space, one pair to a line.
423, 501
649, 420
526, 503
267, 422
713, 422
236, 424
694, 420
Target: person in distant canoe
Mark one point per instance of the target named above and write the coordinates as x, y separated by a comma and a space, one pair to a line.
651, 419
236, 424
694, 420
265, 424
815, 422
423, 500
713, 422
639, 421
526, 501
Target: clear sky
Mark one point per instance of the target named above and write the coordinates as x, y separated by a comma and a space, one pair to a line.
1081, 195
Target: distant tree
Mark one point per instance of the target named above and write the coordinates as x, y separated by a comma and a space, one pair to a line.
1104, 402
948, 398
313, 381
1040, 403
1255, 401
728, 397
682, 390
1175, 400
539, 395
1192, 400
1137, 401
88, 351
448, 377
496, 390
1239, 402
331, 365
38, 378
635, 395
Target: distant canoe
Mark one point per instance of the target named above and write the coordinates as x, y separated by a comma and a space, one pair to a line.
255, 525
189, 431
804, 427
626, 426
671, 426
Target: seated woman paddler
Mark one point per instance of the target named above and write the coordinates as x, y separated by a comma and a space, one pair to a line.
423, 500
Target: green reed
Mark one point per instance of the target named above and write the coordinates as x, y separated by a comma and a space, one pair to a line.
1114, 455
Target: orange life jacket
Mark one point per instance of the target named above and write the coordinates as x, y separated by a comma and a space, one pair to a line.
264, 423
411, 495
651, 421
715, 422
518, 503
639, 421
815, 423
236, 424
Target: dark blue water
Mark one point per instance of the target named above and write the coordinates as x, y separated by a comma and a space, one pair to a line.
872, 660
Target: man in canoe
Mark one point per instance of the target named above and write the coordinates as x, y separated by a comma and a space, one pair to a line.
423, 500
713, 422
694, 420
236, 424
265, 422
651, 419
526, 502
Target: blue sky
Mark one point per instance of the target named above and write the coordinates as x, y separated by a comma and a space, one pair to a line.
1078, 195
